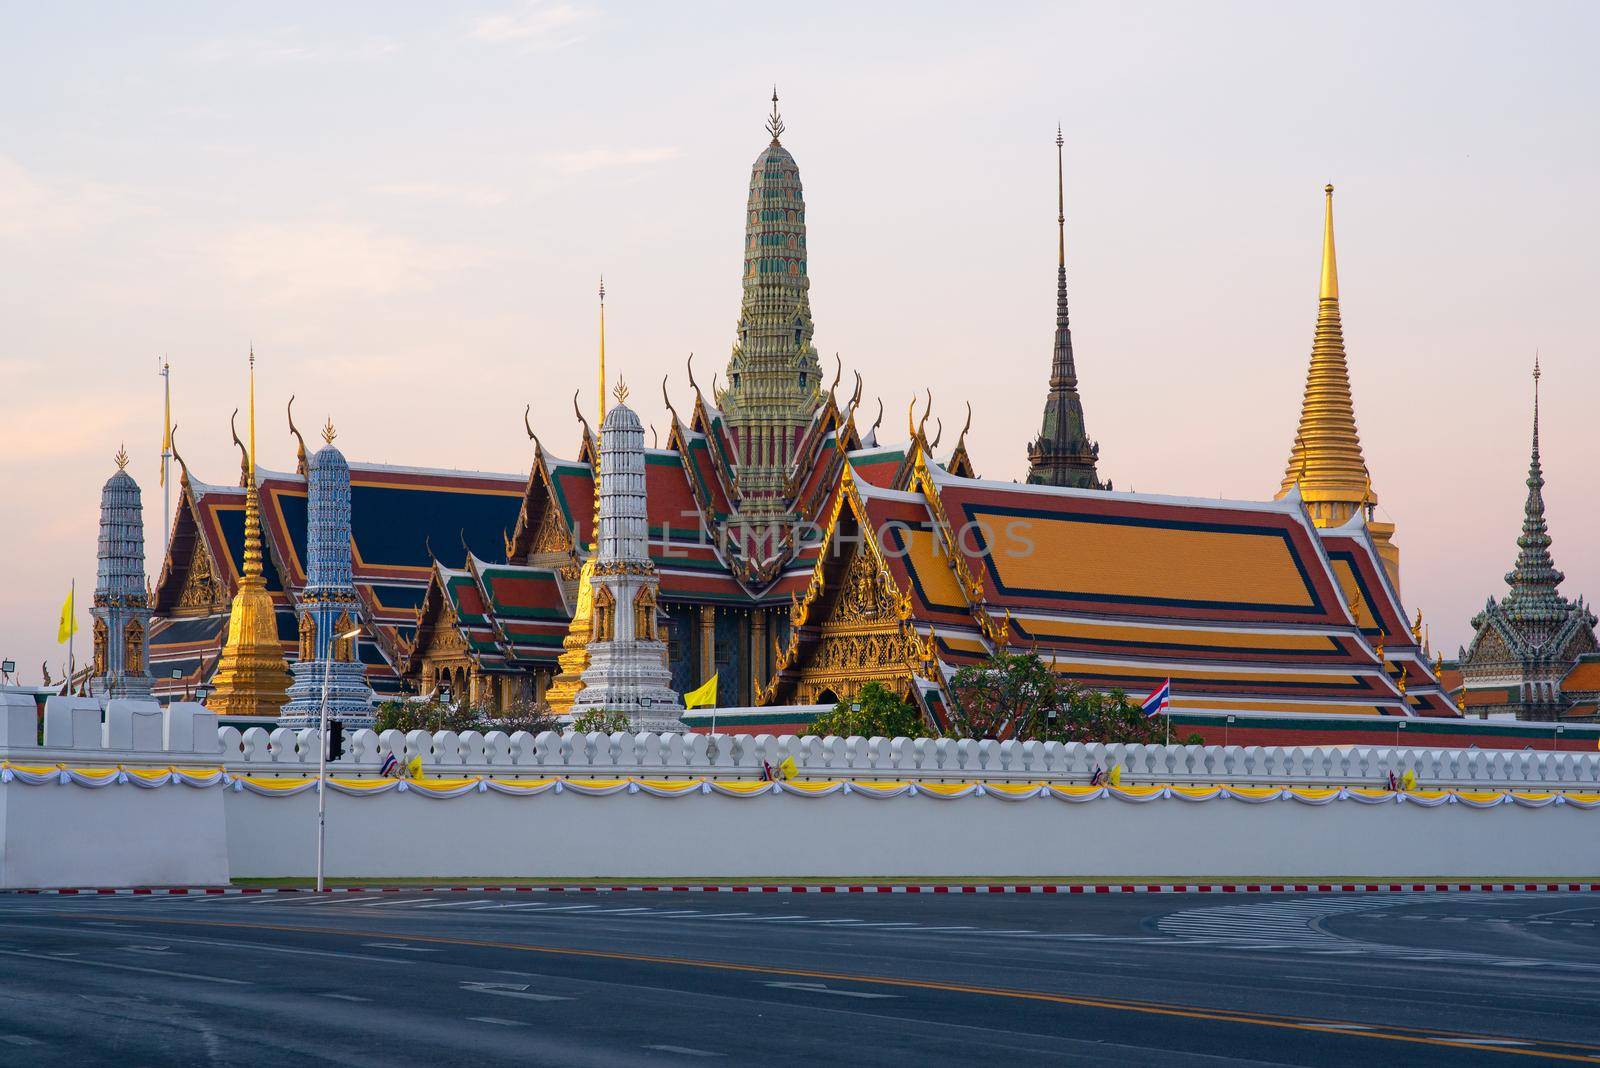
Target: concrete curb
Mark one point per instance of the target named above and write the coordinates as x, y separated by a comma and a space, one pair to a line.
837, 888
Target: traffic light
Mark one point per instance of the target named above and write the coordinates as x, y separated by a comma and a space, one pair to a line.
335, 739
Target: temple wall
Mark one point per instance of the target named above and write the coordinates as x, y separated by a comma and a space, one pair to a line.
567, 835
681, 807
108, 831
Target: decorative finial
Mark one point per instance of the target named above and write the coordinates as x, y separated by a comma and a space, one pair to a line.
602, 289
775, 125
621, 391
121, 457
1329, 288
328, 433
1061, 206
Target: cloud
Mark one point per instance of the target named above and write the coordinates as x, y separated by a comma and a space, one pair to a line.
471, 196
595, 159
289, 47
535, 26
32, 204
286, 264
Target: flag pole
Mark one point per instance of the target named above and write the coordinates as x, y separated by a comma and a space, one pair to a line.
72, 633
166, 453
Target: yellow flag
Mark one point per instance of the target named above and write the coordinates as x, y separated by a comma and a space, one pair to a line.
414, 768
704, 697
788, 769
1408, 781
68, 626
1115, 778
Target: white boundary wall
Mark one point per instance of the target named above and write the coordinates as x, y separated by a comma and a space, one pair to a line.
709, 836
117, 834
121, 834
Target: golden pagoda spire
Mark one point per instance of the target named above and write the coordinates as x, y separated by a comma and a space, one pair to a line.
1326, 462
252, 678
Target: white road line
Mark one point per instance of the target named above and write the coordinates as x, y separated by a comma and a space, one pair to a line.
687, 1051
125, 968
346, 997
597, 912
497, 1021
24, 1040
570, 908
678, 912
398, 946
391, 901
723, 915
823, 988
292, 950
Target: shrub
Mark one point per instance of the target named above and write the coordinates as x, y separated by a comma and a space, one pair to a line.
875, 712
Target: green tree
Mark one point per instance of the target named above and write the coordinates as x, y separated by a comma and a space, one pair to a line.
439, 716
1018, 695
876, 711
599, 719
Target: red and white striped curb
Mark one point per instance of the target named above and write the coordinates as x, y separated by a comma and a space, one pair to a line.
842, 888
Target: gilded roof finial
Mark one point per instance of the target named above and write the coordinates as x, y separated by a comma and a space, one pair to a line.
1329, 289
621, 392
328, 433
775, 125
121, 457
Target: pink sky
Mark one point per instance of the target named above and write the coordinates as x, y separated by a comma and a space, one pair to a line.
407, 212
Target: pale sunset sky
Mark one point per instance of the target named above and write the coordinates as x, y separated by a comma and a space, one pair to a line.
405, 208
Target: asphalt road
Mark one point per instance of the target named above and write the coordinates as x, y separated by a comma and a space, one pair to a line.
776, 979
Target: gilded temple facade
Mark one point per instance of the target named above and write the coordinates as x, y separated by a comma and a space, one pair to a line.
801, 549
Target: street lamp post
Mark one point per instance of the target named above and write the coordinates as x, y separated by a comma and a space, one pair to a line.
322, 757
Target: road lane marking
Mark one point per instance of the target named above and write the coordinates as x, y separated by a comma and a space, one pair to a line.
346, 997
125, 967
398, 946
24, 1040
824, 988
497, 1021
512, 990
1550, 1050
687, 1051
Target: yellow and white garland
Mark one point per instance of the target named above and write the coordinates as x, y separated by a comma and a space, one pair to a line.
441, 788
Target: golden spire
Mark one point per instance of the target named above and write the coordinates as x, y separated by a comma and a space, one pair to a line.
252, 678
1329, 289
328, 433
621, 391
1326, 460
121, 457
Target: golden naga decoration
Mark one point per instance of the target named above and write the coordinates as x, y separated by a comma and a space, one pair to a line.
302, 464
1416, 629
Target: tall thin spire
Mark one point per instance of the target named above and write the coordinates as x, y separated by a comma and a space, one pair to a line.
1062, 454
602, 348
1061, 206
1326, 459
1534, 579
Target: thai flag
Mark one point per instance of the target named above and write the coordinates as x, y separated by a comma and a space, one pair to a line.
1158, 701
388, 766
